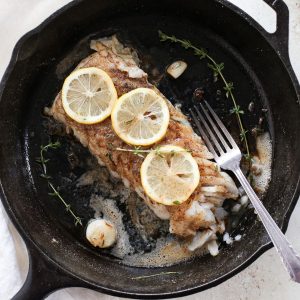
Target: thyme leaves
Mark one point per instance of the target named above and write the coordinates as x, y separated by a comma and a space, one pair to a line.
42, 160
217, 69
141, 152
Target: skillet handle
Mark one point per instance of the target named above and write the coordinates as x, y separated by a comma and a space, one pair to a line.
280, 38
43, 278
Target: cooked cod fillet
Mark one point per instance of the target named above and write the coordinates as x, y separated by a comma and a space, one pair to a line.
198, 212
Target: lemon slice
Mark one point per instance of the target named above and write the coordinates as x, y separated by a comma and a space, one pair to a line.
88, 95
169, 175
140, 117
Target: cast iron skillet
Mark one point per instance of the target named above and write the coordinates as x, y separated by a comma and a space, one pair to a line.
256, 61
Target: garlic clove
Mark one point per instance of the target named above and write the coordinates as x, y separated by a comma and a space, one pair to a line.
101, 233
176, 68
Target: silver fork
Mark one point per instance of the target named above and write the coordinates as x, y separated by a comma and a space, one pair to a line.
228, 156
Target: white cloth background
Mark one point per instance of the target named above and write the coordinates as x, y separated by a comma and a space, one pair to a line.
263, 280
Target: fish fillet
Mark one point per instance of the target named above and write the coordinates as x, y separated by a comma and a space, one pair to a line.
197, 213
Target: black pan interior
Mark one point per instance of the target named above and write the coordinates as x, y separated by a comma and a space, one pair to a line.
48, 55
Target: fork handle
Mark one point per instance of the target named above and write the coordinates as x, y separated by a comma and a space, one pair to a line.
289, 257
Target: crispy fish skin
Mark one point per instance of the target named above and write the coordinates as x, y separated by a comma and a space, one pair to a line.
121, 65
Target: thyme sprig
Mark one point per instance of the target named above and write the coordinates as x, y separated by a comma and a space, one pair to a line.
237, 110
140, 152
217, 71
54, 191
155, 275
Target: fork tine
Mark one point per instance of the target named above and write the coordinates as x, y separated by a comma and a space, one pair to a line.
211, 134
222, 127
215, 128
203, 135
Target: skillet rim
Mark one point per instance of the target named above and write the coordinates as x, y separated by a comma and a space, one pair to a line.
30, 243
